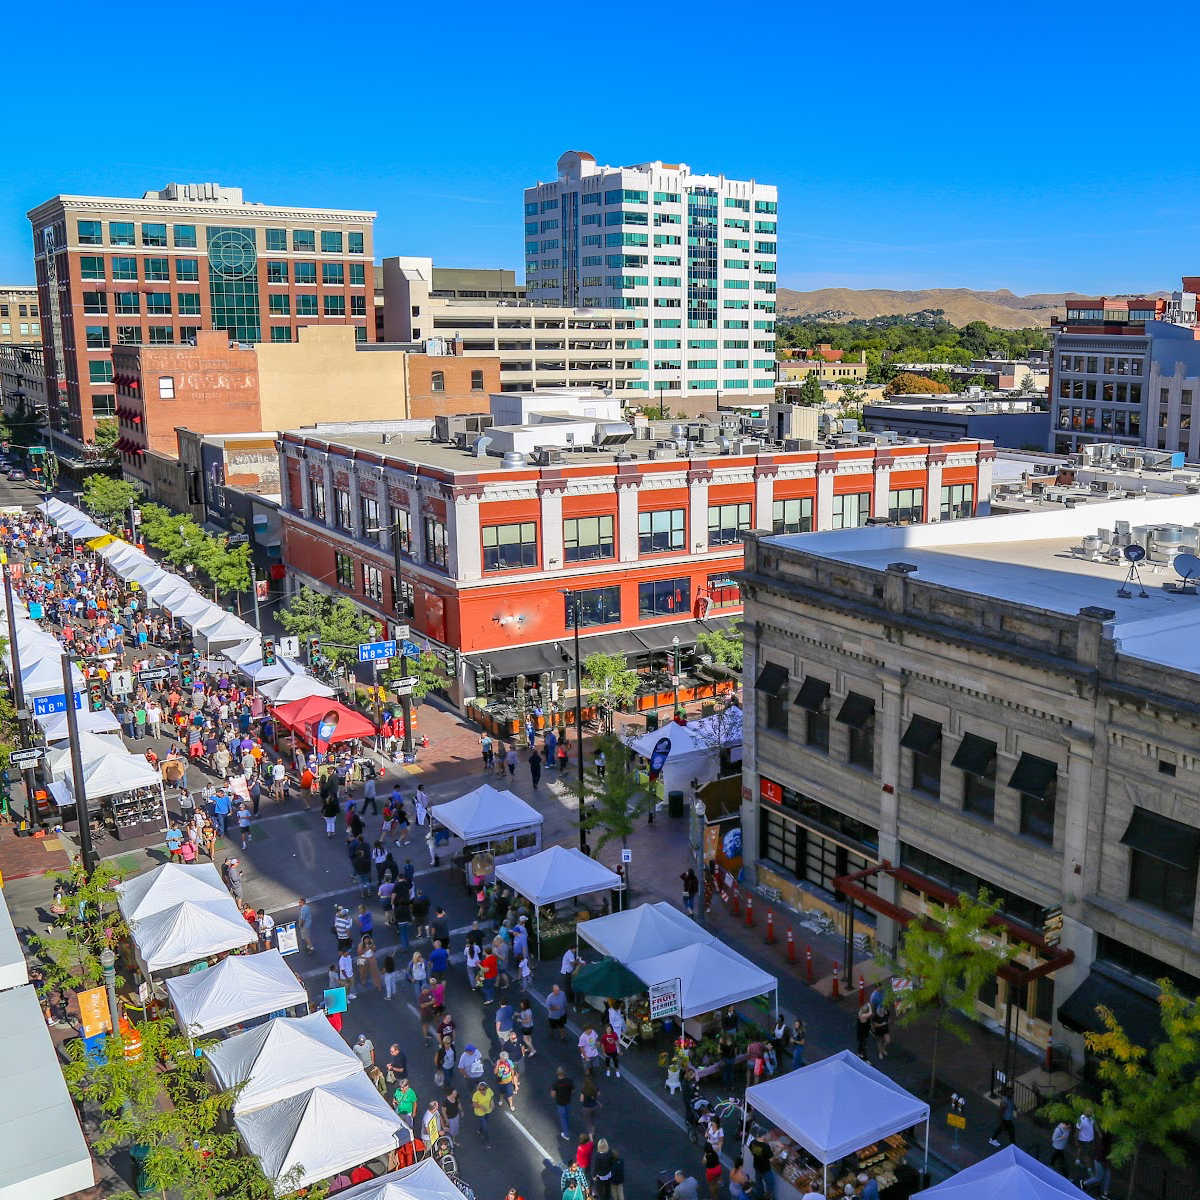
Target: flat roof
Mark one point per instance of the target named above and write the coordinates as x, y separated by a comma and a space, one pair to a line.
13, 971
1026, 558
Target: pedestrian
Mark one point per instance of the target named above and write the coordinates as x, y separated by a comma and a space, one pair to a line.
483, 1101
510, 761
266, 929
1006, 1122
570, 960
421, 804
881, 1030
397, 1064
431, 845
764, 1178
535, 765
1085, 1139
1060, 1139
589, 1101
799, 1043
470, 1064
364, 1050
862, 1028
443, 1061
589, 1049
602, 1160
417, 973
369, 796
345, 966
712, 1172
1100, 1177
231, 869
431, 1124
610, 1044
556, 1012
507, 1081
600, 764
485, 748
343, 927
727, 1051
391, 977
244, 817
329, 810
585, 1147
452, 1110
489, 968
738, 1178
368, 967
691, 885
561, 1092
221, 806
404, 1100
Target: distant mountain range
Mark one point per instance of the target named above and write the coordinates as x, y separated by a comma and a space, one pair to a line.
1003, 309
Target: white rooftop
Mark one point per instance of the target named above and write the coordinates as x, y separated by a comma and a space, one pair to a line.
1030, 558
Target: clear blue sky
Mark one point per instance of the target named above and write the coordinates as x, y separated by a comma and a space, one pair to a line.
1039, 147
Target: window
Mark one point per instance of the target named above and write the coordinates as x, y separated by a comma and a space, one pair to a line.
851, 510
400, 520
277, 272
792, 516
335, 306
129, 335
857, 713
157, 270
664, 598
154, 233
813, 697
587, 538
368, 513
725, 521
100, 372
358, 307
776, 704
90, 233
342, 513
316, 492
188, 304
343, 568
723, 592
281, 333
907, 505
435, 542
280, 305
437, 381
404, 598
1037, 781
477, 381
97, 337
104, 406
276, 239
305, 272
597, 606
507, 547
158, 303
358, 275
187, 270
1027, 912
331, 242
976, 759
166, 387
372, 582
958, 500
332, 274
808, 838
95, 303
120, 233
1162, 863
161, 335
304, 240
660, 531
354, 243
124, 266
128, 302
91, 266
306, 305
924, 738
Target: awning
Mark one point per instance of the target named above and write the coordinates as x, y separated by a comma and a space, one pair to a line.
975, 754
1033, 775
856, 710
921, 735
812, 694
1137, 1013
1161, 838
661, 637
771, 679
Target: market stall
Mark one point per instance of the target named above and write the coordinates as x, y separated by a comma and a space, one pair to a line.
54, 725
1009, 1174
422, 1181
285, 1056
92, 747
696, 748
846, 1116
187, 932
238, 989
491, 820
711, 976
134, 802
221, 628
556, 874
290, 688
44, 677
321, 1131
165, 886
322, 723
642, 932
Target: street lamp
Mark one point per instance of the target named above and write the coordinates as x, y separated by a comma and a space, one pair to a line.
574, 603
701, 815
675, 672
108, 963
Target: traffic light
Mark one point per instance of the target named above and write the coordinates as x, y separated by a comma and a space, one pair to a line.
268, 652
314, 649
95, 695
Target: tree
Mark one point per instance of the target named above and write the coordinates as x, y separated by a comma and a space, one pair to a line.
724, 646
107, 497
1028, 385
811, 391
610, 681
1148, 1097
428, 669
227, 568
618, 799
340, 624
906, 384
949, 957
105, 439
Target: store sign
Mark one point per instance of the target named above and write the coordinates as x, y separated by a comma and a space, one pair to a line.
1052, 924
665, 999
93, 1011
770, 790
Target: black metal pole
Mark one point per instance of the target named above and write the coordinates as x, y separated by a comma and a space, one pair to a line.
31, 807
87, 853
579, 718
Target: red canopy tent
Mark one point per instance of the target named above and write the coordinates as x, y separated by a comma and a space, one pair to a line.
323, 722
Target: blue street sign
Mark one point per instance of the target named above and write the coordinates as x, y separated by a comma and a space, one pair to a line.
411, 649
372, 651
45, 706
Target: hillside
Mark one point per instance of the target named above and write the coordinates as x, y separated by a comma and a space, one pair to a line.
1001, 309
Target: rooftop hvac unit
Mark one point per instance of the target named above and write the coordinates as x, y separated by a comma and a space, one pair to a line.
612, 433
547, 456
512, 458
791, 445
463, 440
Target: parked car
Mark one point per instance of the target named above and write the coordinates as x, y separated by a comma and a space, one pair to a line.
16, 475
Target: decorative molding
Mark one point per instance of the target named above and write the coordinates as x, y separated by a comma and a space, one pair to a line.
551, 486
699, 475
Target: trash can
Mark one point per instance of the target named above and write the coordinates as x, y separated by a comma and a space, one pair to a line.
141, 1181
674, 804
652, 722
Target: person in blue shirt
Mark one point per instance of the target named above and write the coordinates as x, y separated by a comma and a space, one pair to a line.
439, 959
221, 806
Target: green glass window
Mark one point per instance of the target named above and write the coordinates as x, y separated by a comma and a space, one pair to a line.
358, 274
129, 335
281, 333
161, 335
335, 306
100, 372
154, 233
120, 233
331, 242
157, 270
305, 272
333, 274
508, 547
187, 270
185, 237
97, 337
280, 306
306, 305
660, 531
360, 333
90, 233
354, 243
276, 239
124, 266
277, 272
128, 302
233, 282
664, 597
304, 240
91, 266
189, 304
358, 306
158, 303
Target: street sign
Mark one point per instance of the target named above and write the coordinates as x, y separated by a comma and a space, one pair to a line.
26, 757
121, 683
374, 651
626, 855
45, 706
411, 649
664, 999
153, 674
289, 647
400, 633
404, 687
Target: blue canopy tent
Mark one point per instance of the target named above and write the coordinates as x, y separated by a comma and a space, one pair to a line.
1009, 1174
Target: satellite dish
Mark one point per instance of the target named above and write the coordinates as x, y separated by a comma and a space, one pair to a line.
1134, 553
1187, 565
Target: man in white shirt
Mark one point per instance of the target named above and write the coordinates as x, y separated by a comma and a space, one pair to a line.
570, 960
1085, 1138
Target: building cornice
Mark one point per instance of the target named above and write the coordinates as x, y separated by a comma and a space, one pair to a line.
179, 210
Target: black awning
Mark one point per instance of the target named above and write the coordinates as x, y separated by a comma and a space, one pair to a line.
1161, 838
772, 679
1033, 775
921, 735
609, 643
522, 660
975, 754
1136, 1013
812, 694
856, 710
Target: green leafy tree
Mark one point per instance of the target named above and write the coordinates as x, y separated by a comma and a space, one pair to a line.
1148, 1097
811, 391
226, 568
105, 439
107, 497
428, 669
613, 804
949, 957
610, 682
724, 646
340, 624
1028, 384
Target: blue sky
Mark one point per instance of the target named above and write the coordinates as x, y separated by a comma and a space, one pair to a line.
1029, 146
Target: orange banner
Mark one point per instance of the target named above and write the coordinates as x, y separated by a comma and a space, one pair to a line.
93, 1010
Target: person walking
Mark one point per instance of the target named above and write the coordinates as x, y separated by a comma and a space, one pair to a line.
882, 1030
368, 796
244, 817
1006, 1121
418, 974
602, 1161
589, 1049
799, 1037
452, 1110
862, 1028
1085, 1140
368, 965
561, 1092
610, 1045
691, 885
470, 1064
483, 1102
712, 1171
556, 1012
507, 1080
364, 1051
329, 810
1060, 1139
404, 1100
589, 1101
535, 765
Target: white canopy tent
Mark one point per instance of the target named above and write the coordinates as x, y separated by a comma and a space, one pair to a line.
557, 873
147, 574
710, 976
642, 932
285, 1056
190, 609
222, 629
166, 886
81, 527
55, 508
422, 1181
837, 1106
485, 813
170, 589
321, 1131
92, 747
695, 748
54, 726
189, 931
243, 652
120, 772
123, 558
1009, 1174
44, 677
282, 668
237, 989
294, 687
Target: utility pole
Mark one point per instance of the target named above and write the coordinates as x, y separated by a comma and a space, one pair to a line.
574, 602
254, 590
31, 808
133, 512
81, 805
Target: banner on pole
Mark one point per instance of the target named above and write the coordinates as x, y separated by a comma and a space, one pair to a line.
665, 999
93, 1011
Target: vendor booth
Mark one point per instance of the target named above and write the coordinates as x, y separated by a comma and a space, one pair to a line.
323, 723
221, 628
697, 749
45, 676
280, 1058
321, 1131
556, 874
238, 989
187, 932
92, 748
54, 725
289, 688
1009, 1174
642, 932
168, 885
489, 819
846, 1116
711, 976
126, 788
422, 1181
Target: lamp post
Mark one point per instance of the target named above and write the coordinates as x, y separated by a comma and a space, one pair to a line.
83, 814
578, 709
254, 590
700, 813
675, 673
108, 963
32, 815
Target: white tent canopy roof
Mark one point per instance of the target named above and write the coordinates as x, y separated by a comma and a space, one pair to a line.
118, 772
422, 1181
710, 974
642, 932
222, 628
169, 589
721, 730
322, 1131
243, 652
1009, 1174
166, 886
92, 747
45, 677
294, 687
190, 931
285, 1056
556, 873
237, 989
191, 609
486, 812
837, 1105
284, 668
81, 527
54, 726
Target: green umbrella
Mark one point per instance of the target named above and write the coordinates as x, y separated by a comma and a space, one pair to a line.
607, 977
